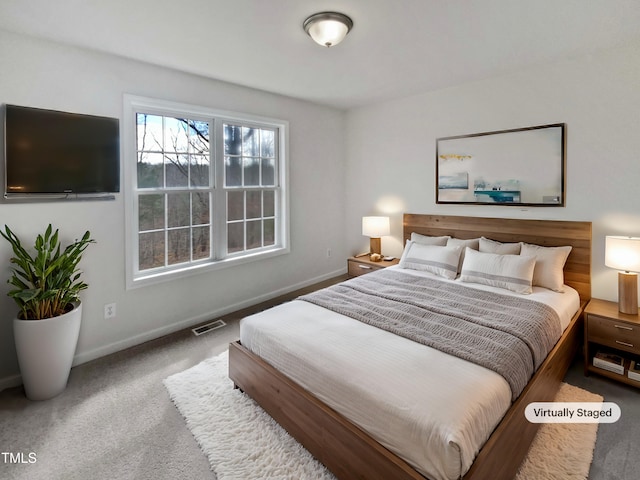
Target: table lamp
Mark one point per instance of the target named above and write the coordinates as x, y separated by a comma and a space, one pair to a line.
623, 253
374, 228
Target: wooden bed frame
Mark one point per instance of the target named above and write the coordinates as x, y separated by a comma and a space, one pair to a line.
348, 451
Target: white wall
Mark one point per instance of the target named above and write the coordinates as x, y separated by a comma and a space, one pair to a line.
379, 159
46, 75
391, 148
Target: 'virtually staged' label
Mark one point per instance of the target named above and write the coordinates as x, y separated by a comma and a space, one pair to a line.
572, 412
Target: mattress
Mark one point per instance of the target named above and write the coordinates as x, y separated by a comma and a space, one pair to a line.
433, 410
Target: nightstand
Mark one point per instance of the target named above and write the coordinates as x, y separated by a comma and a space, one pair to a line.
605, 327
360, 265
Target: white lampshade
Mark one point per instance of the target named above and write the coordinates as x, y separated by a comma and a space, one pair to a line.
328, 28
622, 253
375, 227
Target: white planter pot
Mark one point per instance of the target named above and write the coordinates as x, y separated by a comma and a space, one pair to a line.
45, 352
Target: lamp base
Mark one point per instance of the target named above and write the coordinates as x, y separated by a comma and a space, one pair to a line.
628, 293
375, 245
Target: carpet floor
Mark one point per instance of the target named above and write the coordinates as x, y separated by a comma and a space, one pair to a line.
242, 442
116, 421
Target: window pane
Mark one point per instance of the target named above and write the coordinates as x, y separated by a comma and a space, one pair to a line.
254, 204
250, 142
232, 140
150, 170
176, 137
199, 137
151, 250
200, 209
201, 243
267, 143
178, 210
175, 180
235, 206
269, 200
268, 171
149, 132
199, 170
179, 248
235, 237
177, 170
150, 212
233, 171
269, 232
254, 234
251, 171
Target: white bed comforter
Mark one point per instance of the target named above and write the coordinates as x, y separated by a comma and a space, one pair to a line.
432, 409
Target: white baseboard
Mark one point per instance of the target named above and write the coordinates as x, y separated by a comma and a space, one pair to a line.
10, 381
83, 357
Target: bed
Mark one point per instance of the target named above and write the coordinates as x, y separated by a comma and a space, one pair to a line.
352, 451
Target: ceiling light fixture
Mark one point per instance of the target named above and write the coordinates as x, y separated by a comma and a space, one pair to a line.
328, 28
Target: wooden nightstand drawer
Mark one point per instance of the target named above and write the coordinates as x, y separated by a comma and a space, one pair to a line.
357, 266
607, 330
613, 333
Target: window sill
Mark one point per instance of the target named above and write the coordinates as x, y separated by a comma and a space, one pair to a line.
144, 280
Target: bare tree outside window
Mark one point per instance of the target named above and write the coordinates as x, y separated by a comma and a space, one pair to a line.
180, 202
174, 200
250, 182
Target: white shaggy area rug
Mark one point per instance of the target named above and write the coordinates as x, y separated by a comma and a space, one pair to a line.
242, 442
562, 450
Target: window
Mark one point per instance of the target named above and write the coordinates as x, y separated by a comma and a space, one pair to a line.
250, 186
208, 189
174, 190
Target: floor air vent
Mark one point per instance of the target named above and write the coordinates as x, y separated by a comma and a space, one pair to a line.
208, 327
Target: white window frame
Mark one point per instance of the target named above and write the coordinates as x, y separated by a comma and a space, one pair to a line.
218, 259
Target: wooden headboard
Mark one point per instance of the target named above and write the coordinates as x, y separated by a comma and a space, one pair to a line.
547, 233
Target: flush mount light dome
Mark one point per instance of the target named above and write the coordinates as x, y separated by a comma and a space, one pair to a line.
327, 28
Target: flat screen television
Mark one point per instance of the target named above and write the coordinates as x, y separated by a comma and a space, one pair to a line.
51, 152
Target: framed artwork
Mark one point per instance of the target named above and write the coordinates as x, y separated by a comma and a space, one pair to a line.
522, 167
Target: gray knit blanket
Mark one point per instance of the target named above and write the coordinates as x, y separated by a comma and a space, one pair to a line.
510, 335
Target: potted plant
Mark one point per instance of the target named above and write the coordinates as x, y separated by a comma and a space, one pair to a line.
46, 288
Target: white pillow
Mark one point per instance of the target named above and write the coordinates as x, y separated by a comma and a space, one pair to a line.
441, 260
550, 262
473, 243
491, 246
427, 240
513, 272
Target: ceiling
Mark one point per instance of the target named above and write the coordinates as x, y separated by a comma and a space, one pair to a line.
396, 48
